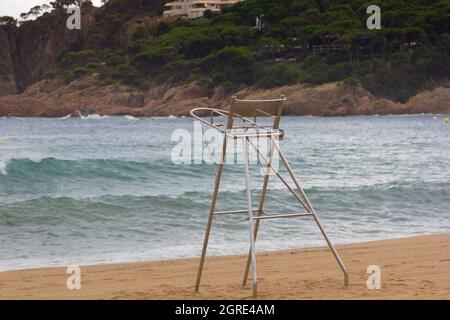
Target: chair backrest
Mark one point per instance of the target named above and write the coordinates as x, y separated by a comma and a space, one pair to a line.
257, 108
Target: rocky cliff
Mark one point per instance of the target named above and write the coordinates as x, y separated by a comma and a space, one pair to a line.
7, 79
35, 47
52, 98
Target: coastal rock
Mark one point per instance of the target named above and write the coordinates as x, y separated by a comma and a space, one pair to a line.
7, 82
179, 101
41, 43
7, 87
431, 101
52, 98
5, 51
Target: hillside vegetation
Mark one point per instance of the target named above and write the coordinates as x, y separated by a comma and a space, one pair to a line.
302, 41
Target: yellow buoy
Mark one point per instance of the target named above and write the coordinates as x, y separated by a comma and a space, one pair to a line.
446, 120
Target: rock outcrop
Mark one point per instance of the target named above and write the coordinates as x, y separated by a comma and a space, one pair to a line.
7, 82
34, 48
52, 98
37, 45
7, 86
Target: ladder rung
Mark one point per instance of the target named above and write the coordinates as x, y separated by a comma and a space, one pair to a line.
280, 216
236, 211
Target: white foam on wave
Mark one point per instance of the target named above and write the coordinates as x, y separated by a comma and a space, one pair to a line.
66, 117
128, 117
3, 166
168, 117
93, 117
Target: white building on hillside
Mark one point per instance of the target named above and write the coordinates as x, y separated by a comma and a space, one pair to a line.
192, 9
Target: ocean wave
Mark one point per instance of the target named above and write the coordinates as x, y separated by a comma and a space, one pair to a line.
35, 172
41, 169
43, 165
369, 202
6, 164
77, 211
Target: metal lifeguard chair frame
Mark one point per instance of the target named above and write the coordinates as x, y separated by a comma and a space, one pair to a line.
243, 110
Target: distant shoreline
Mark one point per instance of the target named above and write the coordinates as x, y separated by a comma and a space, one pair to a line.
55, 99
411, 268
99, 116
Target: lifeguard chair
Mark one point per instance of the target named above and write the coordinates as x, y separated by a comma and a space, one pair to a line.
245, 112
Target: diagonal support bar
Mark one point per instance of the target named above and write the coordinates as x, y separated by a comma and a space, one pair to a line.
299, 198
263, 195
316, 218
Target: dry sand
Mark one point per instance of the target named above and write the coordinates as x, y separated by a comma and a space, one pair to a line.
412, 268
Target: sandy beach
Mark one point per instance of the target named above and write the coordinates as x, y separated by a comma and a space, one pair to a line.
411, 268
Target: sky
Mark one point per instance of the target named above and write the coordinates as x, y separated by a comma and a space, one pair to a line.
16, 7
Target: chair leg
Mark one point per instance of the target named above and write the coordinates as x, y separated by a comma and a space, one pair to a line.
260, 208
250, 218
211, 216
316, 218
332, 248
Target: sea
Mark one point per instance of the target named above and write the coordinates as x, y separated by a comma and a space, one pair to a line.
99, 189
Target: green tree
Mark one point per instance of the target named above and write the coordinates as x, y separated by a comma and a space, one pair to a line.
7, 20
